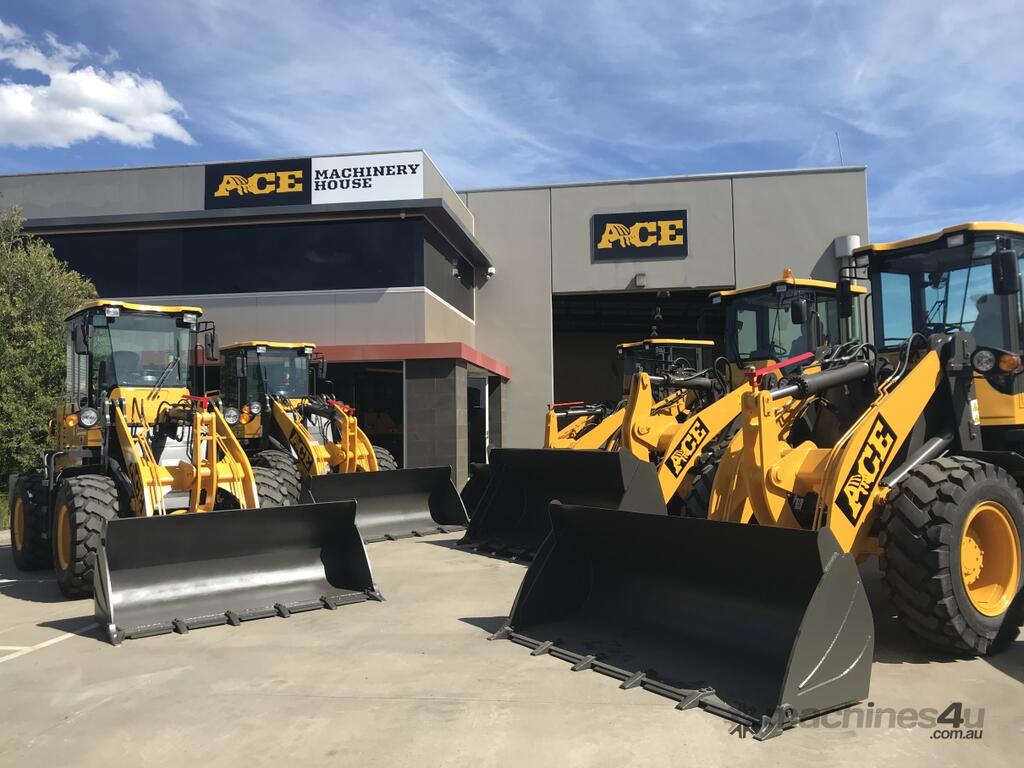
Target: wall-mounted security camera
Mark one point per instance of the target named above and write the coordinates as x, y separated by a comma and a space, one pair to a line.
491, 272
455, 273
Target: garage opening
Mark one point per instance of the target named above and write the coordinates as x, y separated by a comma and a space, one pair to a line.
587, 327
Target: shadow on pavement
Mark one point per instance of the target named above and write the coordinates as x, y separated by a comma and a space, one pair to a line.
489, 624
35, 586
75, 625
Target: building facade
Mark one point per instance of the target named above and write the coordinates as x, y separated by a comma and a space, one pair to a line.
449, 319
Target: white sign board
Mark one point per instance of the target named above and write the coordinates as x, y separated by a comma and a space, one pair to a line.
365, 178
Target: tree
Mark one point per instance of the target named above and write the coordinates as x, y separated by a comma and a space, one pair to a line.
37, 291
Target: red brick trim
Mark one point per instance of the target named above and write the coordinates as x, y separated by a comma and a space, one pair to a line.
343, 353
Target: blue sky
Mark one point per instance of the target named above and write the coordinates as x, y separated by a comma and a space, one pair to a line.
925, 94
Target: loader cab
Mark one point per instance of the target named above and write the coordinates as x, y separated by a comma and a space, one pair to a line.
253, 371
663, 356
117, 350
785, 318
943, 282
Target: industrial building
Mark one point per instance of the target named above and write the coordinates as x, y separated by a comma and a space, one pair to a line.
450, 319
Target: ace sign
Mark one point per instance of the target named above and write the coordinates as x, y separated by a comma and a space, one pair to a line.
635, 236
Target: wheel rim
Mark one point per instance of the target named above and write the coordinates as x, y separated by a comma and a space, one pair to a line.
18, 524
990, 558
63, 537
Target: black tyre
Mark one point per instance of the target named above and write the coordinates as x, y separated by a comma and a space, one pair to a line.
274, 488
697, 501
82, 506
285, 466
952, 562
385, 459
30, 523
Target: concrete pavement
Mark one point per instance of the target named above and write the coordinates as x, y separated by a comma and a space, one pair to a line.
413, 681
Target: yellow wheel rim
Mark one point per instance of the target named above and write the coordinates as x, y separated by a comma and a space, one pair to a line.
18, 524
63, 537
990, 558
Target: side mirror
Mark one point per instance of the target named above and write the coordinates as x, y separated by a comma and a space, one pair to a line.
798, 311
1005, 271
844, 298
210, 346
321, 368
240, 367
81, 334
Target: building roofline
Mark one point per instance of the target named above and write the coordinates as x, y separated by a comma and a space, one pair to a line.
683, 177
203, 163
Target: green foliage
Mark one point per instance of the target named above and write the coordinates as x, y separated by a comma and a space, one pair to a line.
37, 291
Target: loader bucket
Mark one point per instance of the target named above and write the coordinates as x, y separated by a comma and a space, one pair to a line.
512, 517
395, 504
473, 490
169, 573
763, 626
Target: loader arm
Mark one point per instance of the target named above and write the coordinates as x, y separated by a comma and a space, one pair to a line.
353, 452
313, 459
689, 440
853, 479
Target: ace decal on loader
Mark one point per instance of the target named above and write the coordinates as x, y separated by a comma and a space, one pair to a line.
690, 444
865, 474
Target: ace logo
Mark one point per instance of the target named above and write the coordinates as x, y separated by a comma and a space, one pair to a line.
691, 443
866, 471
271, 182
629, 236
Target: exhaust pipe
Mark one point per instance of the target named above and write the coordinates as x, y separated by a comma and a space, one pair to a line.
174, 573
763, 626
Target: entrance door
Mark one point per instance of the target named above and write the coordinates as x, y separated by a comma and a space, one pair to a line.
476, 406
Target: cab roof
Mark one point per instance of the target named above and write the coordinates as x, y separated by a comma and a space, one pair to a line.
164, 309
787, 279
680, 342
969, 226
272, 344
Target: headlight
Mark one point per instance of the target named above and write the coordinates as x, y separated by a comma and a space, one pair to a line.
231, 416
255, 408
88, 417
983, 361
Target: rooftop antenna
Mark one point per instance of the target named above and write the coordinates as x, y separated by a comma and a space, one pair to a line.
840, 146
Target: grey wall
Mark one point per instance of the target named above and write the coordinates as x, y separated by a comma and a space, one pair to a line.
791, 220
435, 185
105, 193
514, 309
709, 223
387, 316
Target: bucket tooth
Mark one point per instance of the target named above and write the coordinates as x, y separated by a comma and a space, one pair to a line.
177, 573
760, 625
512, 519
395, 504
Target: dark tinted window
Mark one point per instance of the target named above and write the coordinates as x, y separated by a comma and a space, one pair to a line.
250, 258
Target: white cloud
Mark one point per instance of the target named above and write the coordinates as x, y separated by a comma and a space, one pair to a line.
80, 102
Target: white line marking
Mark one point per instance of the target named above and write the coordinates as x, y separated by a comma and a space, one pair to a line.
12, 647
45, 643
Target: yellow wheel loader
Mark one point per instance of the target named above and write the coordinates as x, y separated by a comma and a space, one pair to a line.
285, 424
582, 426
148, 502
665, 441
904, 450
